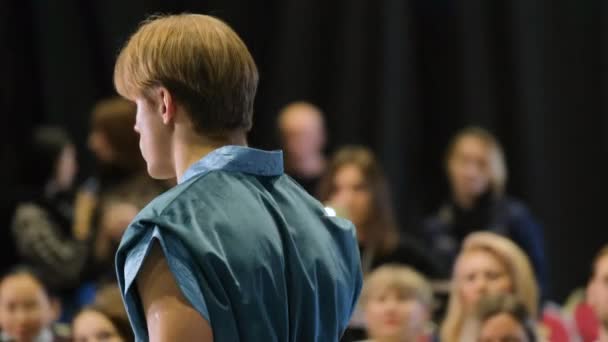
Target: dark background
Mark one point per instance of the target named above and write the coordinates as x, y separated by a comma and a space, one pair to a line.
400, 76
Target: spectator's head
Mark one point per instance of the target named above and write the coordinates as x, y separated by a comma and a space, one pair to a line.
488, 264
302, 133
355, 183
112, 138
397, 304
475, 164
193, 81
51, 163
105, 320
597, 290
26, 307
504, 318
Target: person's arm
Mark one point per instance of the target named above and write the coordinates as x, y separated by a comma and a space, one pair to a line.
169, 316
38, 240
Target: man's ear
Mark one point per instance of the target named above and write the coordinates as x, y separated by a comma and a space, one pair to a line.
168, 107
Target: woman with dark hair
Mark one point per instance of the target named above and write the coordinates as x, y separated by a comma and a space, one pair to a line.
477, 174
28, 309
355, 185
105, 320
504, 318
108, 202
42, 223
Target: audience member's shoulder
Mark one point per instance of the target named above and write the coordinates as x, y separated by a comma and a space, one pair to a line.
514, 207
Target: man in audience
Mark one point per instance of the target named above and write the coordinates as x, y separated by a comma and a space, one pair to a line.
236, 251
303, 138
597, 292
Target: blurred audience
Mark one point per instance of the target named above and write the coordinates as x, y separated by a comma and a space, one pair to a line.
477, 175
397, 303
502, 318
597, 299
105, 320
354, 185
28, 310
42, 225
303, 137
490, 264
109, 201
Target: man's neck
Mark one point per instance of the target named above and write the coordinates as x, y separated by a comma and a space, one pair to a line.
189, 151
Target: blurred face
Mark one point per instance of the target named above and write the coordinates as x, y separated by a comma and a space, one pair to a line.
302, 132
92, 326
100, 146
66, 168
352, 194
480, 273
469, 166
502, 328
25, 308
392, 315
597, 292
154, 138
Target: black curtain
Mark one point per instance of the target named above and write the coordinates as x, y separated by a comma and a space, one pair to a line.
399, 76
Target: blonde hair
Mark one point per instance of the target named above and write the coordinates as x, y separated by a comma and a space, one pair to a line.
498, 168
201, 61
396, 277
525, 288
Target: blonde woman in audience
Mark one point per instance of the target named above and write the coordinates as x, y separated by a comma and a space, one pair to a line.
396, 302
105, 320
490, 264
504, 318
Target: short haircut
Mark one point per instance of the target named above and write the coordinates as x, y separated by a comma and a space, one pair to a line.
201, 61
491, 306
400, 278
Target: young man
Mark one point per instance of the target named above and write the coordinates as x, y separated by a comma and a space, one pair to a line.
236, 251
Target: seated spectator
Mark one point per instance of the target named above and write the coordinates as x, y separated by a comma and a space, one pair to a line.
396, 302
107, 202
477, 175
27, 309
490, 264
356, 187
105, 320
303, 137
503, 318
42, 223
597, 298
